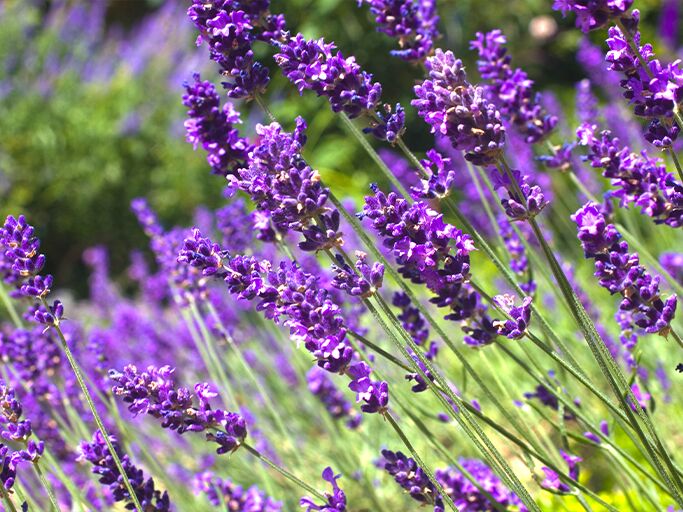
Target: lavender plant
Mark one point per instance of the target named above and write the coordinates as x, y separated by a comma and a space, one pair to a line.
285, 304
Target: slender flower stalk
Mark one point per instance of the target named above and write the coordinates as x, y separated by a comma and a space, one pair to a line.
21, 251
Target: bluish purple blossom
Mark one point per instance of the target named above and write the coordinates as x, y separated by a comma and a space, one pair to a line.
320, 385
620, 272
229, 496
336, 500
364, 281
468, 497
593, 14
410, 477
511, 89
412, 22
154, 392
455, 108
213, 127
637, 179
514, 327
316, 66
97, 453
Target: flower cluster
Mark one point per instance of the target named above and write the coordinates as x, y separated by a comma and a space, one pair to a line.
23, 263
154, 392
336, 501
230, 27
520, 316
511, 89
412, 22
316, 66
523, 201
213, 127
654, 89
229, 496
16, 429
97, 453
362, 282
410, 476
620, 272
468, 497
593, 14
324, 389
288, 291
455, 108
440, 180
638, 179
282, 184
431, 252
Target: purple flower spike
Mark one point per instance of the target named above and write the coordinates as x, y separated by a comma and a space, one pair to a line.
469, 498
336, 501
230, 28
455, 108
363, 282
21, 259
516, 207
593, 14
655, 90
620, 272
441, 178
412, 22
390, 124
226, 494
511, 89
324, 389
212, 127
410, 477
432, 253
638, 180
97, 453
374, 394
287, 189
153, 392
314, 65
515, 327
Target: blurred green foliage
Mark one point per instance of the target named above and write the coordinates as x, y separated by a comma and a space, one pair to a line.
91, 115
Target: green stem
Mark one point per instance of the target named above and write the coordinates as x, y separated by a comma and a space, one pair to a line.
284, 472
602, 355
7, 500
91, 405
373, 154
46, 485
7, 302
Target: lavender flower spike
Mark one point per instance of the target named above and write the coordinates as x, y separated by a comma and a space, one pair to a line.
336, 501
316, 66
515, 327
620, 272
212, 126
154, 392
593, 14
412, 22
410, 476
232, 497
97, 454
511, 89
455, 108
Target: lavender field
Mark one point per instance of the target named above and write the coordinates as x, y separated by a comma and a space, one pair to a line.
384, 255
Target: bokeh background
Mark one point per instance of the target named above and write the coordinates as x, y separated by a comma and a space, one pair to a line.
91, 113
